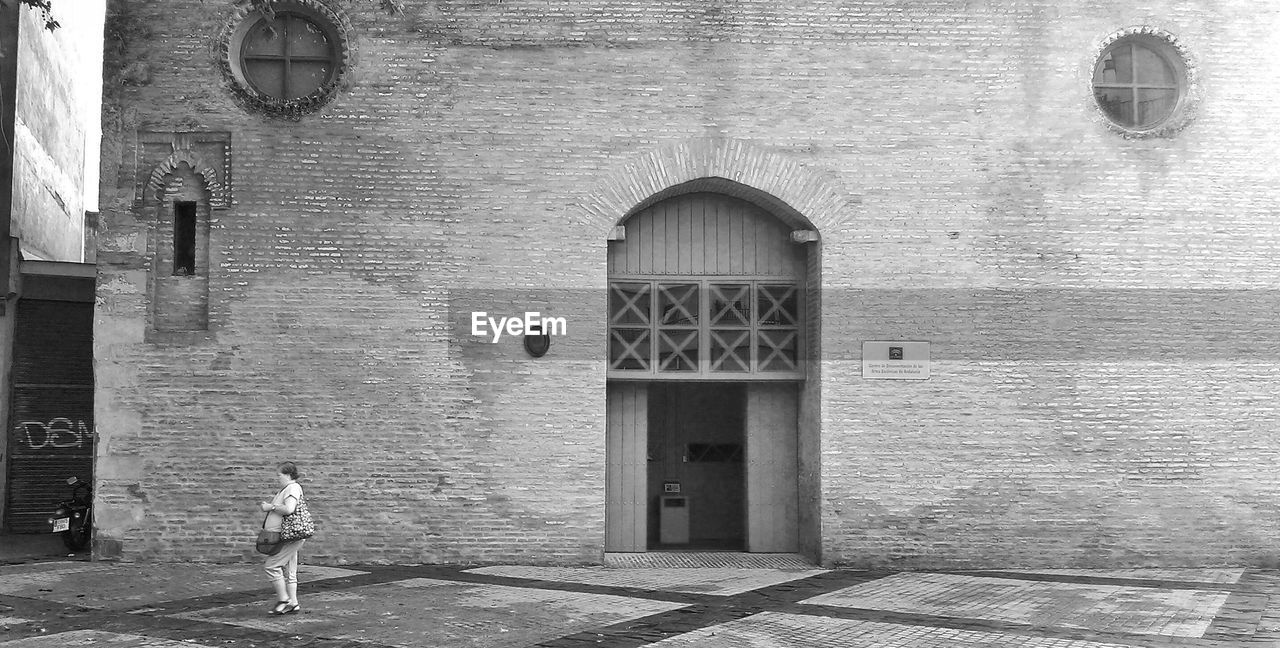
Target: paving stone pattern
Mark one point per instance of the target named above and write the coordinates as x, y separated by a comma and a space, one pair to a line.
487, 615
1105, 608
1181, 575
122, 587
223, 606
87, 638
803, 631
705, 559
706, 580
23, 579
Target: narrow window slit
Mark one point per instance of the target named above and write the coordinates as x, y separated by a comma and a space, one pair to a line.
184, 238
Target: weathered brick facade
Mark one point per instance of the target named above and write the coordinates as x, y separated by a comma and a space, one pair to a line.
1100, 308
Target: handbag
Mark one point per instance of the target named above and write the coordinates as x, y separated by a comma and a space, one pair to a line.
268, 542
297, 525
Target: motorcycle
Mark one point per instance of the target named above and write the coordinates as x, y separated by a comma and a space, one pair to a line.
74, 517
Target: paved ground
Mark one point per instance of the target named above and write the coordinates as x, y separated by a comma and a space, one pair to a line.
49, 599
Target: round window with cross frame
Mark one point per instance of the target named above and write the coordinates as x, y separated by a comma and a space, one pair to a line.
286, 57
1141, 81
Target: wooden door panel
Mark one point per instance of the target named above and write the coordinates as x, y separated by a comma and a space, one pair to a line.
626, 466
706, 234
772, 491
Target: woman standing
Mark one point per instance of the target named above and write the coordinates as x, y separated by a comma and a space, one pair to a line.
282, 566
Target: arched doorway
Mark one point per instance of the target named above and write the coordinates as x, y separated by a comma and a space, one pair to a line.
708, 333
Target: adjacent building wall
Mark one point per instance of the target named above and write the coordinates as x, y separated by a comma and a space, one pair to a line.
52, 79
57, 78
1099, 308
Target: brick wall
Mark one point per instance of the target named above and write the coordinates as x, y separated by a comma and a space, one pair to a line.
180, 301
1098, 307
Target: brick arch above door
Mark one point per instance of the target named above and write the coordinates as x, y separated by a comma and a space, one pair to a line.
802, 195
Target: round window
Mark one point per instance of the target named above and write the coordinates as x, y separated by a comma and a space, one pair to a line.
1139, 81
287, 60
288, 57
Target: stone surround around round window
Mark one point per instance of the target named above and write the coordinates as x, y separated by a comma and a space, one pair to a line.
287, 61
1144, 82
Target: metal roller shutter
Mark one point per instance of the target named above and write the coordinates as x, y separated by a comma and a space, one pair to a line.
51, 437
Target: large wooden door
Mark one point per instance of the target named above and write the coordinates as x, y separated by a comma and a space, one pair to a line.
706, 287
772, 487
626, 467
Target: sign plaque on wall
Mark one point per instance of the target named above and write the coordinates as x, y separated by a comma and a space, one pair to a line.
895, 360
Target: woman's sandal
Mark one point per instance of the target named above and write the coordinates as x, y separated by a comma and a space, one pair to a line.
281, 608
294, 608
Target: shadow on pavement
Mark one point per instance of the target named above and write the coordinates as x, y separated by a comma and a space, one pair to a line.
18, 548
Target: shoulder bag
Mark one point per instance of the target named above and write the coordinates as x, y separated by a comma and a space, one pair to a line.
268, 542
297, 525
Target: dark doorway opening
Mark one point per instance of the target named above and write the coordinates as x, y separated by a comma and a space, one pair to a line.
696, 466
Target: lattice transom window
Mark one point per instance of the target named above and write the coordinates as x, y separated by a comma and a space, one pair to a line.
705, 328
630, 340
778, 342
678, 327
730, 327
